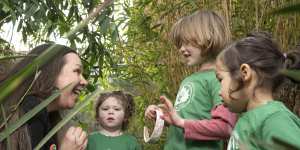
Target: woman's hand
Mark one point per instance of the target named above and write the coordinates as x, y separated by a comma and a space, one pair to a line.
74, 139
170, 114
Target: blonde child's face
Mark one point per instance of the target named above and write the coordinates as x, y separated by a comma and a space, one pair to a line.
236, 101
111, 114
190, 54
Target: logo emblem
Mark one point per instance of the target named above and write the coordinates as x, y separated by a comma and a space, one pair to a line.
184, 96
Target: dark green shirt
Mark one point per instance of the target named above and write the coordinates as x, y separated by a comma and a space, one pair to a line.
98, 141
197, 95
255, 128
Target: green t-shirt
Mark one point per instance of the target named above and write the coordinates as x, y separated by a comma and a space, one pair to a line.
98, 141
197, 95
259, 125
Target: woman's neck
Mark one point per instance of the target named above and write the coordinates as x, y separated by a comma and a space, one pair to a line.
208, 66
261, 97
111, 132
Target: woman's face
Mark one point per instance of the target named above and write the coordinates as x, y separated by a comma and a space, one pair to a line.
71, 72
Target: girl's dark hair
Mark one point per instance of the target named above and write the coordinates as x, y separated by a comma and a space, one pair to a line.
126, 100
289, 91
261, 53
42, 87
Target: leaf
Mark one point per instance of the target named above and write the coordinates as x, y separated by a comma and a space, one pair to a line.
68, 117
12, 127
293, 74
15, 80
293, 8
11, 57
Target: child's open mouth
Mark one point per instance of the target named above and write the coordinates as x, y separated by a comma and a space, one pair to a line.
110, 119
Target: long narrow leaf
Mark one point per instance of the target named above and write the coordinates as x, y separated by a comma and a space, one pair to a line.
12, 127
294, 74
13, 82
68, 117
6, 125
11, 57
293, 8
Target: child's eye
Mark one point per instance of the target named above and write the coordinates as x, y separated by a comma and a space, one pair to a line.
77, 71
117, 109
105, 109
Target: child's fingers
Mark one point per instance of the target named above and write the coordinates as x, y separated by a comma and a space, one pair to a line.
83, 146
167, 103
81, 138
150, 112
166, 118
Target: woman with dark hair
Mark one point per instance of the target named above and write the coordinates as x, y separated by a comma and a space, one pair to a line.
63, 69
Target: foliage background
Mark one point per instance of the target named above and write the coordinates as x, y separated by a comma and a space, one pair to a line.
129, 49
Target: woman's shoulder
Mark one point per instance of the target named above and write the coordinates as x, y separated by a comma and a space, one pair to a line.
29, 102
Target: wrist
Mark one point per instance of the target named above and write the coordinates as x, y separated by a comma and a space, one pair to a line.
180, 123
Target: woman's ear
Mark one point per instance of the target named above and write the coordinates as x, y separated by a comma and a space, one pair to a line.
245, 71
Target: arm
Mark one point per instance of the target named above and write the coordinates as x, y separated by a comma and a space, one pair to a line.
218, 127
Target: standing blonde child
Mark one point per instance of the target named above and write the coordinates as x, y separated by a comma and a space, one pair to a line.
113, 110
199, 37
249, 72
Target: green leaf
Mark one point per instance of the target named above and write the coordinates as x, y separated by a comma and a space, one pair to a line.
68, 117
293, 8
14, 81
293, 74
11, 57
12, 127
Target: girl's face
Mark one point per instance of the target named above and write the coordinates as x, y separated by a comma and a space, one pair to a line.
191, 55
111, 114
236, 101
71, 72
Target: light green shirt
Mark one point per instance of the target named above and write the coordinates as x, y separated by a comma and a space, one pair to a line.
255, 128
98, 141
197, 95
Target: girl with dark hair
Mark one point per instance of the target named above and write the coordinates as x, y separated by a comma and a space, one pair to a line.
113, 110
249, 72
63, 69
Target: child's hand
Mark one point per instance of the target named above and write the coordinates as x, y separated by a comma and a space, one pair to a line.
150, 112
74, 139
170, 114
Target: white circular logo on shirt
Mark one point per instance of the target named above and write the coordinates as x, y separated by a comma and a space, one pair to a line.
183, 96
233, 142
